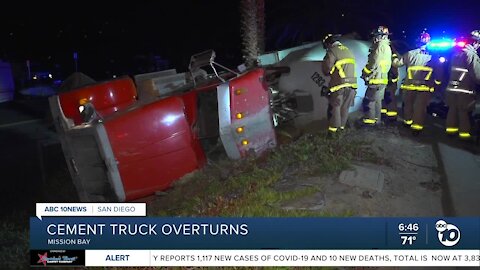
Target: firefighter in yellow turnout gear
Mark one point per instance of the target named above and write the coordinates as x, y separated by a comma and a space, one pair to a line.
390, 100
375, 75
460, 92
418, 85
339, 64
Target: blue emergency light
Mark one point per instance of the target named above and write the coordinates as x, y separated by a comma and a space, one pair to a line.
441, 44
445, 44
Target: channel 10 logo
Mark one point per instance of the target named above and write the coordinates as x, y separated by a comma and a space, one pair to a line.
448, 234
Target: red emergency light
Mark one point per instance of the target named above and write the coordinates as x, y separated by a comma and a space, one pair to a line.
460, 44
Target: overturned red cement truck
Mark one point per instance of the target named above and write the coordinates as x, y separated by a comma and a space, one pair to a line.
127, 138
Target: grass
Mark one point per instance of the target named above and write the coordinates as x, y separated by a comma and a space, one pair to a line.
246, 188
14, 242
14, 235
242, 188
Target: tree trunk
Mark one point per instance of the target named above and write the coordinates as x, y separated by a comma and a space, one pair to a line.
261, 25
252, 29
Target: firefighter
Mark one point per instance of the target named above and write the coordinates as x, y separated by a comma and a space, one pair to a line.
418, 85
375, 74
390, 101
339, 64
460, 92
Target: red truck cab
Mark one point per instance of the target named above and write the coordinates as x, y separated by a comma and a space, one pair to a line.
147, 134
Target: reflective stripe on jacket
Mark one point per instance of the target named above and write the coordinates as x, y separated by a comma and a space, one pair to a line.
339, 64
379, 63
462, 72
420, 75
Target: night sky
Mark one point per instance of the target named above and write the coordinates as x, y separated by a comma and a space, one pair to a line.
119, 38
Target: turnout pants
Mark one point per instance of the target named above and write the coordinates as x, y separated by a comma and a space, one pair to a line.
415, 108
340, 101
390, 100
373, 103
460, 105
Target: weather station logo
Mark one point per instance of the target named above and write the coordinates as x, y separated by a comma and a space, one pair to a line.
448, 234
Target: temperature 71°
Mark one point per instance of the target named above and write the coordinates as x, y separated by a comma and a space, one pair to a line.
408, 239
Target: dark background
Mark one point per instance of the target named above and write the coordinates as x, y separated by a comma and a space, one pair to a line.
116, 38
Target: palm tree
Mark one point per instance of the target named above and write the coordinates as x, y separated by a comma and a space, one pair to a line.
252, 29
261, 25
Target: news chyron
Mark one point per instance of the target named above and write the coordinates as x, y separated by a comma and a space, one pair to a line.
121, 235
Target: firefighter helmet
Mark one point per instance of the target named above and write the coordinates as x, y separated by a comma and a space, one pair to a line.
329, 40
475, 35
381, 31
424, 38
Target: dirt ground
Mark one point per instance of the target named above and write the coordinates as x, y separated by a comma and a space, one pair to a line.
412, 182
412, 185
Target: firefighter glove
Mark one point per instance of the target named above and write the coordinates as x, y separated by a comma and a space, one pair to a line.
325, 91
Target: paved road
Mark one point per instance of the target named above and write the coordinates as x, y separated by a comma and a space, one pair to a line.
22, 111
462, 169
460, 165
27, 155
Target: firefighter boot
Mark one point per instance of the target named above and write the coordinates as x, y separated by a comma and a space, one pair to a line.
407, 123
333, 135
391, 121
384, 114
465, 136
416, 129
416, 132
